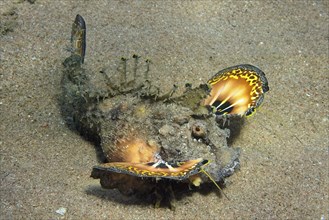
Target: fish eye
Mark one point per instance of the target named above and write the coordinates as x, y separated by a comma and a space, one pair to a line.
199, 130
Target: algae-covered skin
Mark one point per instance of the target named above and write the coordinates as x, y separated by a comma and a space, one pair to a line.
135, 122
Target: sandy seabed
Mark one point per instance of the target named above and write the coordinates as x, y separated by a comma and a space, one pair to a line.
46, 166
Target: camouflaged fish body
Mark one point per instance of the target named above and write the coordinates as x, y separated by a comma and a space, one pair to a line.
144, 132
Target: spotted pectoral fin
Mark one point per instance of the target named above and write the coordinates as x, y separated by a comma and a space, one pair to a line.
171, 170
237, 90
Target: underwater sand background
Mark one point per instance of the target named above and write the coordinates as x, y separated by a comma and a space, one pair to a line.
284, 162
